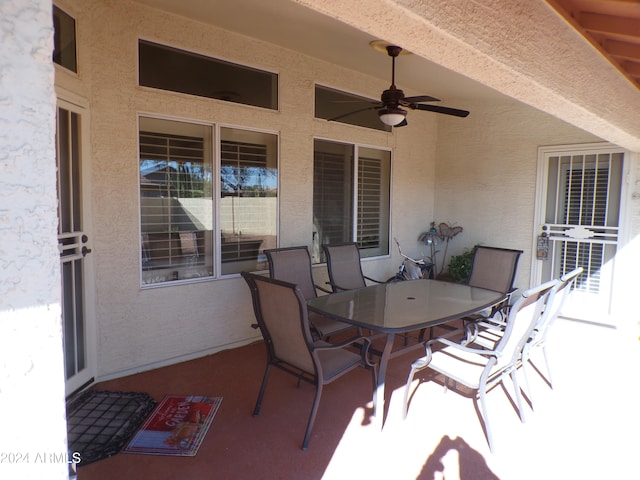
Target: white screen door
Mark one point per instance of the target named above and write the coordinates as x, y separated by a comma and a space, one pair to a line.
578, 211
73, 243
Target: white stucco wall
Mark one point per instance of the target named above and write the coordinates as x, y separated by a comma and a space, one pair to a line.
486, 175
522, 49
441, 167
139, 328
31, 373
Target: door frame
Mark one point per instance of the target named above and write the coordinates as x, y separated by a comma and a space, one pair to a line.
616, 304
77, 104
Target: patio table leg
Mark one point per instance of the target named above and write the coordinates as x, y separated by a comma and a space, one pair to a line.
378, 395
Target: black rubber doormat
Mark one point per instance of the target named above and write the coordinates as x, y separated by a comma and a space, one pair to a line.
100, 423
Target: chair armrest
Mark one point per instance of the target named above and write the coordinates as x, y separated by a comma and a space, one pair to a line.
322, 345
318, 287
373, 279
463, 348
364, 347
336, 287
492, 324
510, 295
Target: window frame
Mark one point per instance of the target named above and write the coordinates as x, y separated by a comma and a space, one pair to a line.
207, 55
218, 195
317, 253
355, 97
56, 35
215, 157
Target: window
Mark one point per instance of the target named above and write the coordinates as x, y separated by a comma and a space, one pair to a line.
248, 198
587, 200
64, 40
177, 70
330, 103
177, 208
351, 193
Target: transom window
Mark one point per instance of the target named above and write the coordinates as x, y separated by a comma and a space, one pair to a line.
178, 233
175, 70
64, 40
331, 103
351, 193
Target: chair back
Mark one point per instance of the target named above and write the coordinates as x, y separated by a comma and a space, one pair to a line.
188, 243
281, 313
523, 317
494, 268
292, 265
343, 266
557, 298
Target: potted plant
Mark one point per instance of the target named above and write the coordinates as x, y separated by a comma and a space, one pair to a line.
460, 266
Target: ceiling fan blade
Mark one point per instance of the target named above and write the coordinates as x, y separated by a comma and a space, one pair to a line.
403, 123
438, 109
420, 98
354, 101
372, 107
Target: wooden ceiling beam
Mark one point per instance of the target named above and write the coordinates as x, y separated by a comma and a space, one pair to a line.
622, 50
633, 69
611, 25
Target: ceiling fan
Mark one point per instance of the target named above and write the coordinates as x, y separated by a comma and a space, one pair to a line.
392, 100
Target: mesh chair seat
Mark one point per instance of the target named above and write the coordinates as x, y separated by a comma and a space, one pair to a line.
293, 265
344, 268
557, 300
281, 312
480, 368
494, 269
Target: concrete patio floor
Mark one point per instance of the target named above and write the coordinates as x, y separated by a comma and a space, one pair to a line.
586, 427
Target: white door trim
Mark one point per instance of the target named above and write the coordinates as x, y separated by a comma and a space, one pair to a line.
541, 198
77, 104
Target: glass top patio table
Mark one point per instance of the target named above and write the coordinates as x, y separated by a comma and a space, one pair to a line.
405, 306
402, 307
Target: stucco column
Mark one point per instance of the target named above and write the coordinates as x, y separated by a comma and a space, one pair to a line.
33, 440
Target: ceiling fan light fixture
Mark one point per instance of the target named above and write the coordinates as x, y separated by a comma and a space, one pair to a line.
392, 116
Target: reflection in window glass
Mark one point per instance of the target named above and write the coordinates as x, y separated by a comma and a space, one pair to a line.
346, 175
333, 192
64, 40
178, 206
177, 70
331, 103
374, 173
248, 198
176, 201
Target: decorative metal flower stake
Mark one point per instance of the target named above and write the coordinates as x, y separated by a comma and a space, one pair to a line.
434, 236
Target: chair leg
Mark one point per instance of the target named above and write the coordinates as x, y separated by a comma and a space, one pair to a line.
485, 418
416, 366
263, 387
525, 361
405, 403
470, 332
516, 387
374, 384
546, 362
312, 415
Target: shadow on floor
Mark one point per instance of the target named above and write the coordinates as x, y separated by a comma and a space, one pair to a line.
454, 458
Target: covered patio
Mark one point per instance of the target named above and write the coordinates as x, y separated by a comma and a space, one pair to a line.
532, 82
582, 428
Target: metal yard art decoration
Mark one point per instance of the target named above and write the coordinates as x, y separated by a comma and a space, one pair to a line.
434, 236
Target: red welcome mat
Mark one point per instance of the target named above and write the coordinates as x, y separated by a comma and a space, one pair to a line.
176, 427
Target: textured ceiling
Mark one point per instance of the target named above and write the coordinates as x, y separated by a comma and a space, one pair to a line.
293, 26
534, 52
612, 26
